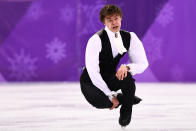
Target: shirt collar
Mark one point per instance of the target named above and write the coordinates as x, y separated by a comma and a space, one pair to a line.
110, 33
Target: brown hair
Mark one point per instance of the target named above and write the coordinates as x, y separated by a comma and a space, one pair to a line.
109, 10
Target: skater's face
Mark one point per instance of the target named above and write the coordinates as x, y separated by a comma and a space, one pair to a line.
113, 22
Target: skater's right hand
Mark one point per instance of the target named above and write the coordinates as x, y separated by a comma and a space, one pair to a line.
115, 103
122, 72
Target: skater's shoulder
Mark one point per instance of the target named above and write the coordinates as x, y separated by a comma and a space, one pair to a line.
94, 37
94, 43
94, 40
133, 34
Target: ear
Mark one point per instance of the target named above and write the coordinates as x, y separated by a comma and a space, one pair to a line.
104, 21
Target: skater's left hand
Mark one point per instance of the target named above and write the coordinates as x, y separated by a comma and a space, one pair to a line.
115, 102
122, 72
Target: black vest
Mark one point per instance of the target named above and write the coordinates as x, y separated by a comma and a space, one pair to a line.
107, 63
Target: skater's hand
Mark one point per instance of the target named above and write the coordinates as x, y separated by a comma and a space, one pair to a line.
115, 103
122, 72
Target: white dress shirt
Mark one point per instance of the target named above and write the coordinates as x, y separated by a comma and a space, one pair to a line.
136, 53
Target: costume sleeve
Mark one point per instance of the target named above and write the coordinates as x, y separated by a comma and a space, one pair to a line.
137, 56
92, 64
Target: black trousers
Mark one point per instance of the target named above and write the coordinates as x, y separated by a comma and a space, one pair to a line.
99, 100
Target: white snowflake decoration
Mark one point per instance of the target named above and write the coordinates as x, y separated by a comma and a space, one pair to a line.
35, 11
67, 14
91, 12
86, 9
22, 66
56, 50
166, 15
153, 45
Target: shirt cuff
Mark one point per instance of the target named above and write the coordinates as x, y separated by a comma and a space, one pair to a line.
131, 69
110, 96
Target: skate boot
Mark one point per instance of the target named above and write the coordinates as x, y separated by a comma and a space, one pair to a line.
120, 99
125, 117
136, 100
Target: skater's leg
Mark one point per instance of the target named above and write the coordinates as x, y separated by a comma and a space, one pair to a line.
128, 90
95, 96
127, 98
115, 84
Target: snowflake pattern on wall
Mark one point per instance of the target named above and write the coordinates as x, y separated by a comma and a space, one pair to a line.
56, 50
22, 66
67, 14
91, 12
35, 11
85, 9
153, 50
177, 73
166, 15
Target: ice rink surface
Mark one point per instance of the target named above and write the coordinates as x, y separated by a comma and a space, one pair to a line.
62, 107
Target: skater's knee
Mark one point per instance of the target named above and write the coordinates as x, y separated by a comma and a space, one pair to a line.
102, 106
100, 102
128, 78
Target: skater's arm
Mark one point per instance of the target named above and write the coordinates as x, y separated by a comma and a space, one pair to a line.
137, 56
92, 64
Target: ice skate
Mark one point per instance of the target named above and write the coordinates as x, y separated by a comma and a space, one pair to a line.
125, 118
136, 100
123, 127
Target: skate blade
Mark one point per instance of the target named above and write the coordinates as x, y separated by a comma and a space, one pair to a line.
123, 127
